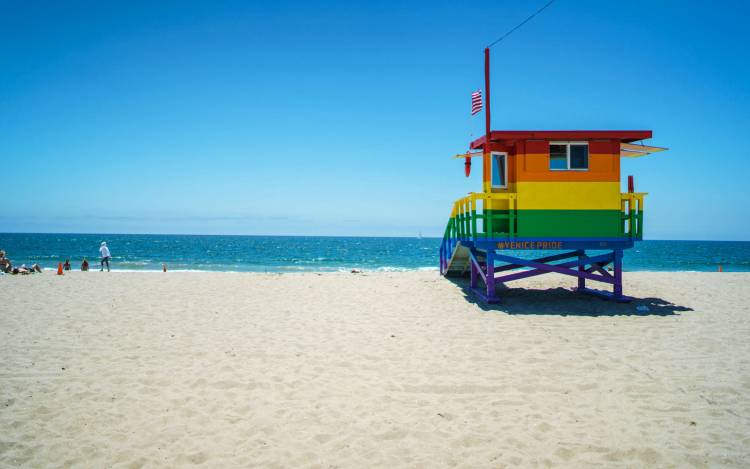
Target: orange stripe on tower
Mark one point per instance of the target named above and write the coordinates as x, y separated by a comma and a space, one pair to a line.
533, 163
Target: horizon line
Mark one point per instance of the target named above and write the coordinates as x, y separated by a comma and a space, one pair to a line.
309, 236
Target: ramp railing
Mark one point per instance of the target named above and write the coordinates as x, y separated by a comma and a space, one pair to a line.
478, 216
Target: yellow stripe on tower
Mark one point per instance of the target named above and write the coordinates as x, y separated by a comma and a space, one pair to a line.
568, 195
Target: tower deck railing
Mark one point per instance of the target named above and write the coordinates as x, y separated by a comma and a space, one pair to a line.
477, 218
631, 206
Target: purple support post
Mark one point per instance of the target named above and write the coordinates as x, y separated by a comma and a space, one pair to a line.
490, 276
473, 273
618, 273
581, 268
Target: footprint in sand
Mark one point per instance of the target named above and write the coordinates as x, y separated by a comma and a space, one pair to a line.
393, 435
198, 458
323, 438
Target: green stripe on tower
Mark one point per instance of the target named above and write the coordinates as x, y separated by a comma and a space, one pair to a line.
562, 223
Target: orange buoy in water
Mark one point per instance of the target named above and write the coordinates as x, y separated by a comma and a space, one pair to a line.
59, 268
721, 269
164, 267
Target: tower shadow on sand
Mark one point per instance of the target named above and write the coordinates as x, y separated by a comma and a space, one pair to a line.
564, 302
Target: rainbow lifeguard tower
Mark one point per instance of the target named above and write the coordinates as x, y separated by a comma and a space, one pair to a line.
546, 190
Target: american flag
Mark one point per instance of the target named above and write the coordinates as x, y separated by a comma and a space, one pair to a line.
476, 102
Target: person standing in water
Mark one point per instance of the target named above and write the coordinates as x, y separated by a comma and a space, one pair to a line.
104, 251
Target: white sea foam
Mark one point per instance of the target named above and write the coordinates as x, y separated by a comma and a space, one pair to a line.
275, 269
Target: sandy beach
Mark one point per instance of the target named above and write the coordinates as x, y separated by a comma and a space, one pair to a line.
371, 370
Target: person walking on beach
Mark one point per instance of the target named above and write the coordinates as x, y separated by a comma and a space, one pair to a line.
104, 251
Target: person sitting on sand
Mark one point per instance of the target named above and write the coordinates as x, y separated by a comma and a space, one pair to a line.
66, 266
23, 270
84, 265
5, 265
104, 251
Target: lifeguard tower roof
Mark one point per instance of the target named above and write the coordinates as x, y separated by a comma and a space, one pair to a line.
508, 136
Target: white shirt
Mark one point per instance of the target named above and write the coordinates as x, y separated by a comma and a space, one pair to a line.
104, 250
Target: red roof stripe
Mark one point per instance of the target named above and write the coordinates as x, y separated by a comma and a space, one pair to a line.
509, 135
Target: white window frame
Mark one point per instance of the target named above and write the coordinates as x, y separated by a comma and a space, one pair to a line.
505, 176
567, 152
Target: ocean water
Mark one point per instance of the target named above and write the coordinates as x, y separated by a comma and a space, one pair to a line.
301, 253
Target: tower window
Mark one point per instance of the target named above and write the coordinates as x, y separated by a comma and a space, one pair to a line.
568, 156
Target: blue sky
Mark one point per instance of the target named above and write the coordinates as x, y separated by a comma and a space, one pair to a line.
341, 118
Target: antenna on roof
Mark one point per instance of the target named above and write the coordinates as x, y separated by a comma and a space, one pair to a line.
521, 23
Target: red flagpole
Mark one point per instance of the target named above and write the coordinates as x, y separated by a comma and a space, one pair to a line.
487, 130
